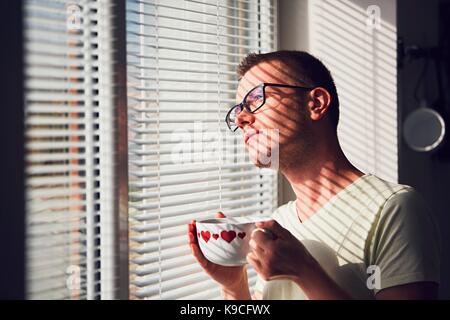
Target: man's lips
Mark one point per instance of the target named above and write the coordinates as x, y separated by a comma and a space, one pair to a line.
249, 134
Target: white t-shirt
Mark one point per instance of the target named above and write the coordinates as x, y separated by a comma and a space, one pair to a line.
373, 224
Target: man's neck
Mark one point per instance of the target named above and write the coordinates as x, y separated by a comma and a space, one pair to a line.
315, 183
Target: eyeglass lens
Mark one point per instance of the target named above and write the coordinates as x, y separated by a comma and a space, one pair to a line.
253, 100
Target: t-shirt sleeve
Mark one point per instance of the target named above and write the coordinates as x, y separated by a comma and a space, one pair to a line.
406, 242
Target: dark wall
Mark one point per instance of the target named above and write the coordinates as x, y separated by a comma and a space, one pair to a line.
418, 23
12, 212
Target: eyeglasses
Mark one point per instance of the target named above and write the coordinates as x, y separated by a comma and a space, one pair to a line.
253, 100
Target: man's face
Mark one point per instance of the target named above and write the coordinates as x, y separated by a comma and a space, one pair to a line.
281, 122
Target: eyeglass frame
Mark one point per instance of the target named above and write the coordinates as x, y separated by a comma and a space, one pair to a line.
263, 85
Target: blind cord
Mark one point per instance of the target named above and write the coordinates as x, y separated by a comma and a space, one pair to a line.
218, 106
158, 146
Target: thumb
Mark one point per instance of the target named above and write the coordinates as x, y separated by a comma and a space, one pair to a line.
219, 215
273, 226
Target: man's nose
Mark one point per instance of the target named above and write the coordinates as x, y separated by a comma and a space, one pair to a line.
244, 118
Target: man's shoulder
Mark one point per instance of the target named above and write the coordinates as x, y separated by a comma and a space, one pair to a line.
381, 191
384, 185
406, 201
402, 205
377, 199
406, 227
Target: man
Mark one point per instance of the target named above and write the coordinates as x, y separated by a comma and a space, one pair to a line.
348, 234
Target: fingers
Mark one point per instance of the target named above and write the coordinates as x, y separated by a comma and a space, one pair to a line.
261, 238
277, 230
254, 261
259, 250
192, 233
195, 249
220, 215
192, 238
192, 227
193, 244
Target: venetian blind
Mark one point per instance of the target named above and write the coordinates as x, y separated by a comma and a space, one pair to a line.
69, 169
183, 163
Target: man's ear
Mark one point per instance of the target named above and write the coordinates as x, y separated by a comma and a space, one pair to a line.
319, 102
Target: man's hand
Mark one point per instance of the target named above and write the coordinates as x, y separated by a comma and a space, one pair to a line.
276, 253
232, 279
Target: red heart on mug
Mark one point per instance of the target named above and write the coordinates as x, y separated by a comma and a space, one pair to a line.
228, 235
206, 235
198, 234
215, 236
241, 235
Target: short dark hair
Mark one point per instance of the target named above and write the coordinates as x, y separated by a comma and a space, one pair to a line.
309, 71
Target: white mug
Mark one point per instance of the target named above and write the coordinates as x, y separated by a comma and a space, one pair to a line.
225, 241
